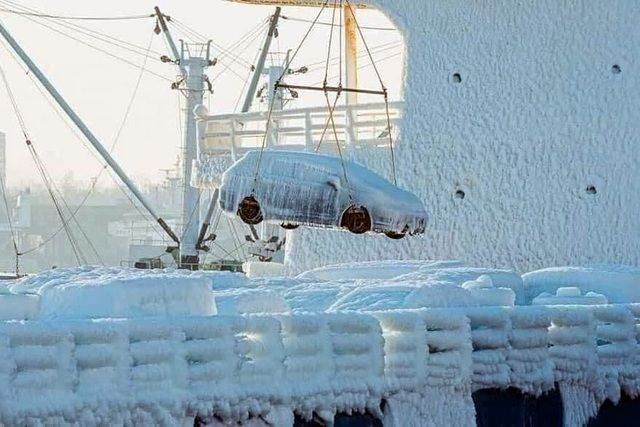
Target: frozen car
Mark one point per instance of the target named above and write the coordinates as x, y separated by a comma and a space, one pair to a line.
301, 188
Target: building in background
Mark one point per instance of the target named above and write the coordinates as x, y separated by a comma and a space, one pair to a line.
3, 157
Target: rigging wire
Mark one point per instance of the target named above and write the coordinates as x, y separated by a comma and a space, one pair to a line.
225, 50
51, 189
316, 66
243, 45
103, 37
248, 78
97, 48
293, 18
364, 42
79, 18
384, 89
74, 131
363, 66
304, 38
286, 68
115, 141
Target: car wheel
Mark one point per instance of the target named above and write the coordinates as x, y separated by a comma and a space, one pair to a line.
289, 226
249, 211
393, 235
356, 219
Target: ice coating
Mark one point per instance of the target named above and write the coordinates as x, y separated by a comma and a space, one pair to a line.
310, 188
383, 269
369, 341
618, 283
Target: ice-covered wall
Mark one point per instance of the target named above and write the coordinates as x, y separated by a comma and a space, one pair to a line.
531, 111
424, 364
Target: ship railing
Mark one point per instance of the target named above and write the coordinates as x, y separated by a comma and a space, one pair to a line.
319, 357
300, 128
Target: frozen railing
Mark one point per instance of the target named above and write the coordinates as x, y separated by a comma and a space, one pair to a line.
530, 366
490, 328
167, 370
301, 128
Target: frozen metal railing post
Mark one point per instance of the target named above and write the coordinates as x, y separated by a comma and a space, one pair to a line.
308, 131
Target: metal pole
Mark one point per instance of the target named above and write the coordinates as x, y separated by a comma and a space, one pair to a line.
193, 68
172, 45
351, 53
207, 221
190, 197
251, 92
85, 131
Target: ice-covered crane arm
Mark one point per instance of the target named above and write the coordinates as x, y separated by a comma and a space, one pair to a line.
170, 42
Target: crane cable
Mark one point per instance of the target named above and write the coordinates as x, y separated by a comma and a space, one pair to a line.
383, 87
41, 169
335, 102
286, 68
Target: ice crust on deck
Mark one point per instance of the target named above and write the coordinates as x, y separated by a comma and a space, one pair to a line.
96, 292
382, 269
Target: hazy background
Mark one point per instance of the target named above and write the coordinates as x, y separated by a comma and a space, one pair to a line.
99, 87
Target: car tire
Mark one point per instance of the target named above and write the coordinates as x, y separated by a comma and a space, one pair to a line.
289, 226
249, 211
356, 219
393, 235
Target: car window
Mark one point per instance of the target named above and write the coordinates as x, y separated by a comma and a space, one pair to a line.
304, 171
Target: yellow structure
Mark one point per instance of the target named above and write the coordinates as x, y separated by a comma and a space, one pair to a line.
350, 35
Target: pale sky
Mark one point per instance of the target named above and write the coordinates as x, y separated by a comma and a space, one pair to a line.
100, 87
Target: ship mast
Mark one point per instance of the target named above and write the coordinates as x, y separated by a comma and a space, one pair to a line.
192, 59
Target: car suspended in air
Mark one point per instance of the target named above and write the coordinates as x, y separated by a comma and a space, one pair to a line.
293, 188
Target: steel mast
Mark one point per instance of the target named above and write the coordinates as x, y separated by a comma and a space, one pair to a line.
246, 106
86, 131
192, 59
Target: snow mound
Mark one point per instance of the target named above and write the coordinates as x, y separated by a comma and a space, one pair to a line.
312, 300
618, 283
255, 269
384, 269
408, 295
247, 301
484, 291
459, 275
569, 295
98, 292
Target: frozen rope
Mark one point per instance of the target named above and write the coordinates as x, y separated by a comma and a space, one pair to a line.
78, 18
